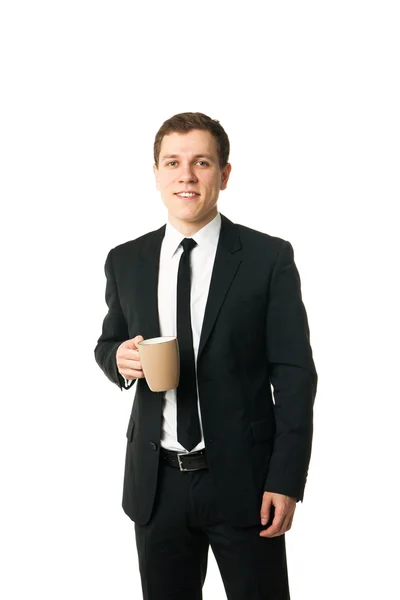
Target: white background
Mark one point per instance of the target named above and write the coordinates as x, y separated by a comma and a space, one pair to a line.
309, 95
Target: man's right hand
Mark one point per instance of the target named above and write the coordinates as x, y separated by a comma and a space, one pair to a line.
128, 359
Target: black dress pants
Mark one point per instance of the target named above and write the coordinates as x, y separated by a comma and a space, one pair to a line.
173, 545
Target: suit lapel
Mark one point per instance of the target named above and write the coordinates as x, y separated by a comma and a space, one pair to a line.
227, 260
148, 284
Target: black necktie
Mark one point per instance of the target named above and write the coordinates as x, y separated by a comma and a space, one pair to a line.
189, 434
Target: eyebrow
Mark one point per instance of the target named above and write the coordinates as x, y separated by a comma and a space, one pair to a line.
195, 156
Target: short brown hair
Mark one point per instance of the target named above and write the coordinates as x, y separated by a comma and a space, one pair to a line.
185, 122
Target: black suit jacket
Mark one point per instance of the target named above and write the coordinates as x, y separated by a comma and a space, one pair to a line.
255, 333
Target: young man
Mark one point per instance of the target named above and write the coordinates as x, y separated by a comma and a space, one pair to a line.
217, 461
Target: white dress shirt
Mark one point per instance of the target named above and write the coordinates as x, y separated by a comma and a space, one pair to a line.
202, 261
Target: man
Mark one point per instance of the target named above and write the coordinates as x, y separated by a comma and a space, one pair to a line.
217, 461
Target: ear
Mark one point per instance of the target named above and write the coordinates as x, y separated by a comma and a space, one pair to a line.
226, 171
155, 171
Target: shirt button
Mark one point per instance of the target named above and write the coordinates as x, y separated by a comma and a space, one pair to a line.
153, 446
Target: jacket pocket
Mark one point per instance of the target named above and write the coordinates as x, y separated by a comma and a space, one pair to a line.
263, 430
129, 432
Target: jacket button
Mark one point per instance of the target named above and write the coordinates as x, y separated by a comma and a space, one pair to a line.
153, 446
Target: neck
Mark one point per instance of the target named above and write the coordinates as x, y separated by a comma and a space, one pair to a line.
189, 228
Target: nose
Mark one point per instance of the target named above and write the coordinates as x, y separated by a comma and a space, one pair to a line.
187, 174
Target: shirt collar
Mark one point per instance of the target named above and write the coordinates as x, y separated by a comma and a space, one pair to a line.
206, 237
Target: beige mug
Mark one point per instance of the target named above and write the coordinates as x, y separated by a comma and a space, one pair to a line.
160, 362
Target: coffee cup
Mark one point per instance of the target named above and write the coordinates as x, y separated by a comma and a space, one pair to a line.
160, 362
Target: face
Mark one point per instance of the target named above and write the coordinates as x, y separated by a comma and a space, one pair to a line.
189, 178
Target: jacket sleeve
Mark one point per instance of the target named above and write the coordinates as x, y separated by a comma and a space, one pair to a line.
293, 377
114, 332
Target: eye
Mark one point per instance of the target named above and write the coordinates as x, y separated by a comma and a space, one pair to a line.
174, 162
203, 162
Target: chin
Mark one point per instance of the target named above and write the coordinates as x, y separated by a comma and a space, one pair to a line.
189, 213
188, 218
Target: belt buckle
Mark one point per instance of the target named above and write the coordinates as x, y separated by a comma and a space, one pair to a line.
181, 467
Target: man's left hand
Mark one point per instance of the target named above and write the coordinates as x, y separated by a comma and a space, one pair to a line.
284, 513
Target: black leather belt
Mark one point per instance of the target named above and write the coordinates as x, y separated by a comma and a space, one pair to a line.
184, 461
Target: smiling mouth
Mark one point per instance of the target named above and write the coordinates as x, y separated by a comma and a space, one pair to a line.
187, 195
